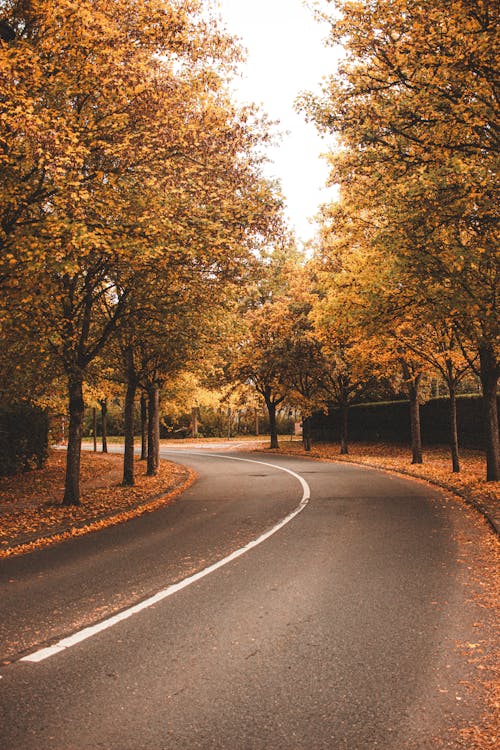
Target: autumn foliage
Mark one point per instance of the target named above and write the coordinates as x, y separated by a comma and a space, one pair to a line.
32, 516
414, 107
131, 189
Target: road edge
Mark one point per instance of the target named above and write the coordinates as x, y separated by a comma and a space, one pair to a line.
154, 503
470, 501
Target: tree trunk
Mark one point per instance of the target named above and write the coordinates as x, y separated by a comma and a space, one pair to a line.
194, 422
144, 427
455, 460
344, 429
271, 408
489, 378
153, 430
76, 408
306, 433
128, 451
94, 427
256, 422
104, 416
416, 436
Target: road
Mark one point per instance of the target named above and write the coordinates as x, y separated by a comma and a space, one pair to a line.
339, 631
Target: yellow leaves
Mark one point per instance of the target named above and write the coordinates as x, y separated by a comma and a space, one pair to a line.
122, 152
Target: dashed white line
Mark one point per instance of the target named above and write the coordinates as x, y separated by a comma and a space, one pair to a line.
82, 635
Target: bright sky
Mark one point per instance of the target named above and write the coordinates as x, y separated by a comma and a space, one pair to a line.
286, 55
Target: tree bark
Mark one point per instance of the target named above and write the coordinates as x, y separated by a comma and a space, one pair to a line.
153, 430
194, 422
256, 422
144, 427
489, 379
94, 427
455, 460
271, 408
128, 451
306, 433
344, 429
76, 409
104, 416
416, 435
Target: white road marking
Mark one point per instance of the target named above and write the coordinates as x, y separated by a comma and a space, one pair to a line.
82, 635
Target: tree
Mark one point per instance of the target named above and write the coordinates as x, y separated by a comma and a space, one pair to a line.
436, 343
354, 353
415, 106
304, 365
262, 358
146, 155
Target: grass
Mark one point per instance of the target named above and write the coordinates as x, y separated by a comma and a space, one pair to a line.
119, 440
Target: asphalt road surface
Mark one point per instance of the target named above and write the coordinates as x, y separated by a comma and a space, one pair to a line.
338, 631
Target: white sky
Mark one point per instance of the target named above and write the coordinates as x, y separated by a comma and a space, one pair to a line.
286, 55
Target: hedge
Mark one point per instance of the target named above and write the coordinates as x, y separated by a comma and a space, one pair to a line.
24, 438
390, 422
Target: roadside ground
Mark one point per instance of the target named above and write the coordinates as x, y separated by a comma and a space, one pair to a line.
31, 515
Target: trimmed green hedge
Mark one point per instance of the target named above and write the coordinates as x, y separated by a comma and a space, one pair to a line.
390, 422
24, 438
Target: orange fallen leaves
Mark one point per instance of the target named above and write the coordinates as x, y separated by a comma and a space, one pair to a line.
31, 516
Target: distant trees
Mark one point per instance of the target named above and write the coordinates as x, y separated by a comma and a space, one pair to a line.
262, 358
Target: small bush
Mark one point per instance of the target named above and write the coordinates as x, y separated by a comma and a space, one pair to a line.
24, 438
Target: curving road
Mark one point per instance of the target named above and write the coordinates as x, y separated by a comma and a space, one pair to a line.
338, 631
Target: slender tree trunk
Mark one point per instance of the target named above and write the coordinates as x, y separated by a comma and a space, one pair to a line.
194, 422
104, 416
306, 433
128, 451
455, 460
256, 422
416, 435
344, 429
271, 408
94, 427
153, 430
144, 427
76, 408
489, 379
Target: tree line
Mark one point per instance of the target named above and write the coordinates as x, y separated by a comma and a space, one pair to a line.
132, 201
141, 245
409, 255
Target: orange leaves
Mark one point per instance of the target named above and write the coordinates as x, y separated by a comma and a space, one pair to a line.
31, 516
